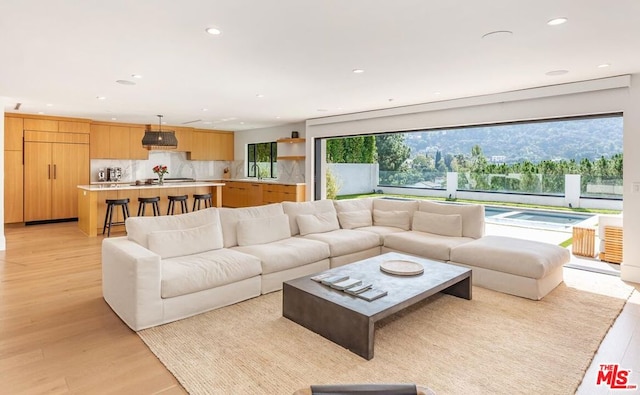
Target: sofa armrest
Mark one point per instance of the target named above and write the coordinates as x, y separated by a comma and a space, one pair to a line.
131, 278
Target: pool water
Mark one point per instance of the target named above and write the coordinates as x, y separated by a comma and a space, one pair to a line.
534, 218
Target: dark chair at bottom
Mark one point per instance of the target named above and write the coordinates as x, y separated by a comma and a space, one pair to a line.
108, 218
172, 202
154, 201
201, 197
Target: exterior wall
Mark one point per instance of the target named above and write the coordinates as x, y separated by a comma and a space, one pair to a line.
608, 95
354, 178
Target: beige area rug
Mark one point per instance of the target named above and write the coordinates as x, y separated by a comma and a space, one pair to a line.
493, 344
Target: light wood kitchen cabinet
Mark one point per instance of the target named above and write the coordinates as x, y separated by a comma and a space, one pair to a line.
111, 141
184, 137
74, 127
42, 125
246, 193
136, 150
13, 187
211, 145
52, 172
13, 128
13, 170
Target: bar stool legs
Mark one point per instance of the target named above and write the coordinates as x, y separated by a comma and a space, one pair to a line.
183, 204
154, 205
205, 197
108, 218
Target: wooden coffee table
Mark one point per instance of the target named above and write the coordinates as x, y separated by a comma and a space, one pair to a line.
350, 321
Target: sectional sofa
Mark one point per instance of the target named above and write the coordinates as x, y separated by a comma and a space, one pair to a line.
171, 267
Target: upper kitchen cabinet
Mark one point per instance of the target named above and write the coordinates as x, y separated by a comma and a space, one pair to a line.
13, 128
211, 145
117, 141
184, 137
41, 125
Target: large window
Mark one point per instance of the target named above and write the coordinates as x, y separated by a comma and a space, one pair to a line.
262, 160
529, 157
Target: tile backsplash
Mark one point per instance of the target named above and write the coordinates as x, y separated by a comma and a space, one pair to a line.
180, 167
178, 164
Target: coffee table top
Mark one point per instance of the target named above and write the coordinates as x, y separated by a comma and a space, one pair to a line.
402, 290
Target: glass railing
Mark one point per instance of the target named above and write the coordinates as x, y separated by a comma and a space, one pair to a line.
601, 187
413, 179
540, 184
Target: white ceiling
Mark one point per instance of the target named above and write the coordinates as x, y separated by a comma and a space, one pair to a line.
58, 56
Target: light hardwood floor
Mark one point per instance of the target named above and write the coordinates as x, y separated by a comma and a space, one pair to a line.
58, 336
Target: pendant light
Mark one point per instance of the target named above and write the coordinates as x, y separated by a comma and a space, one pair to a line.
159, 139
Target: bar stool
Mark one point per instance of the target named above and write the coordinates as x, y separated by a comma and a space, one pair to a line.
205, 197
143, 205
183, 203
108, 218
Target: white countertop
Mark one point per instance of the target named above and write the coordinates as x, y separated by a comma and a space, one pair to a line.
264, 181
116, 186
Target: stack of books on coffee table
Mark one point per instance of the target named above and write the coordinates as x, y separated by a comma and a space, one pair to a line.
352, 286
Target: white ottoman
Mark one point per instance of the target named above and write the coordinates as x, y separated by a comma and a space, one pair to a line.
520, 267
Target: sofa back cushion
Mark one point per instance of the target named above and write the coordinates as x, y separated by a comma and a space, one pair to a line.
181, 242
263, 230
355, 219
439, 224
139, 228
396, 218
349, 205
317, 223
395, 205
229, 218
472, 215
293, 209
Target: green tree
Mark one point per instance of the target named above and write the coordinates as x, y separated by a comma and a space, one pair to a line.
392, 151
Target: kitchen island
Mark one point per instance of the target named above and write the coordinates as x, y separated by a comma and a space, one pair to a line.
92, 207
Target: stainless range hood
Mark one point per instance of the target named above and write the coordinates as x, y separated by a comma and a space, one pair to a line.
159, 139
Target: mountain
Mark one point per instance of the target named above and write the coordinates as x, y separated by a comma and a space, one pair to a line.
576, 139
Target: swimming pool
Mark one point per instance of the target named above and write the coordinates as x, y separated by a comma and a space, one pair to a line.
542, 219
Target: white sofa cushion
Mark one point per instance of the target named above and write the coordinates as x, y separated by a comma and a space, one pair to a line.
287, 253
422, 244
178, 242
263, 230
395, 205
472, 215
521, 257
192, 273
355, 219
348, 205
381, 231
439, 224
397, 219
346, 241
317, 223
293, 209
139, 228
229, 218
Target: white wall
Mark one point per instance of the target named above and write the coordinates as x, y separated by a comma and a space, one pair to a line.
616, 94
3, 241
288, 171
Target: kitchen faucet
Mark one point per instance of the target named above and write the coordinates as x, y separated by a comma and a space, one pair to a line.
256, 169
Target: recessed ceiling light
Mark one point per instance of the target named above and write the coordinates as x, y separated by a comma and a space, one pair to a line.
242, 123
205, 109
357, 71
138, 76
557, 21
436, 93
49, 105
101, 98
259, 95
604, 65
556, 72
277, 117
114, 119
125, 82
40, 112
214, 31
498, 34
